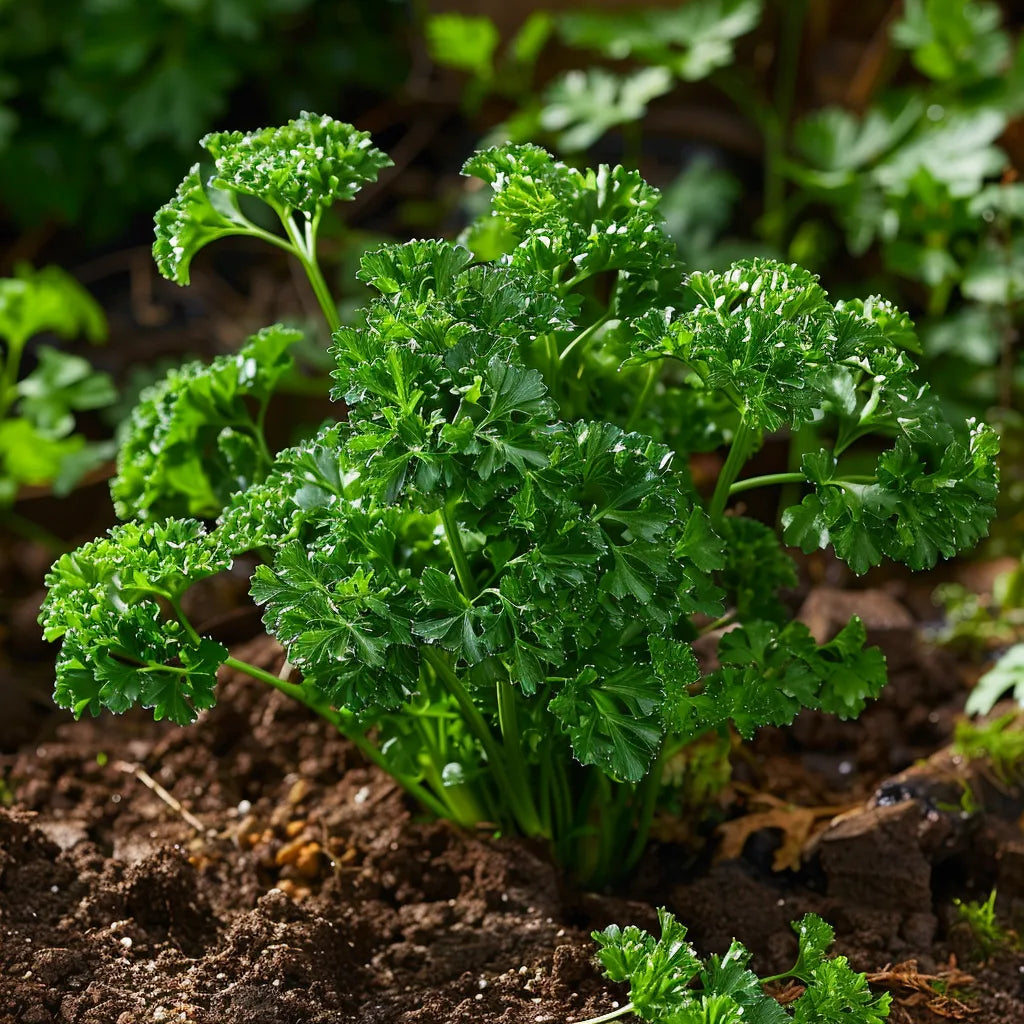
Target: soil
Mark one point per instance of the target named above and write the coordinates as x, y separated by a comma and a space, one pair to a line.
253, 870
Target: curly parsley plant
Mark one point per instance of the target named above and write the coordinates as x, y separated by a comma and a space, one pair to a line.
489, 574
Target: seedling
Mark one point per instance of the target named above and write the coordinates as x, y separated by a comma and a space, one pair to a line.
990, 937
487, 586
669, 982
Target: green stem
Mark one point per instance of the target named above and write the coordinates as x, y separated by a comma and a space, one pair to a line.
343, 723
645, 394
725, 620
769, 480
650, 786
508, 723
585, 335
458, 552
738, 454
305, 250
460, 802
175, 604
520, 802
613, 1015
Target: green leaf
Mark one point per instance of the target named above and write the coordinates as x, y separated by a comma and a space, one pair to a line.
613, 720
196, 216
30, 457
756, 569
692, 40
929, 500
1006, 675
306, 485
837, 144
306, 165
49, 299
767, 674
737, 990
340, 624
454, 622
953, 40
119, 648
815, 937
193, 440
568, 224
61, 385
658, 970
464, 42
581, 106
837, 995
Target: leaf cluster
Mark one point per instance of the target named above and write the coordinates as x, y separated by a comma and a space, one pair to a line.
195, 438
302, 167
670, 984
101, 103
38, 440
767, 336
107, 602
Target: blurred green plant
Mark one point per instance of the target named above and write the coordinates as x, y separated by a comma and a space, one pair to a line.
38, 442
918, 179
989, 935
100, 100
978, 624
999, 742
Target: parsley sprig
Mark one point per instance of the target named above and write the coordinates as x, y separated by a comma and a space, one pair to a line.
670, 984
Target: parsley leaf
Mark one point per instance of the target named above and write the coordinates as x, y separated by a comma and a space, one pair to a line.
669, 983
106, 602
193, 439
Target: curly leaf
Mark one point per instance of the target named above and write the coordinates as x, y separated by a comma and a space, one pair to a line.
193, 441
308, 164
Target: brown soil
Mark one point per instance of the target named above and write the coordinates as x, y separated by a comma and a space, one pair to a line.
295, 885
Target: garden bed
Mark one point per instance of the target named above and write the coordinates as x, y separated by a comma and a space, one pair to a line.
254, 869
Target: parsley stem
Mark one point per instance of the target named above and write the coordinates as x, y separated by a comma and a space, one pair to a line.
585, 335
340, 721
305, 251
612, 1015
458, 552
175, 604
523, 811
738, 454
645, 393
648, 790
769, 480
462, 806
508, 723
